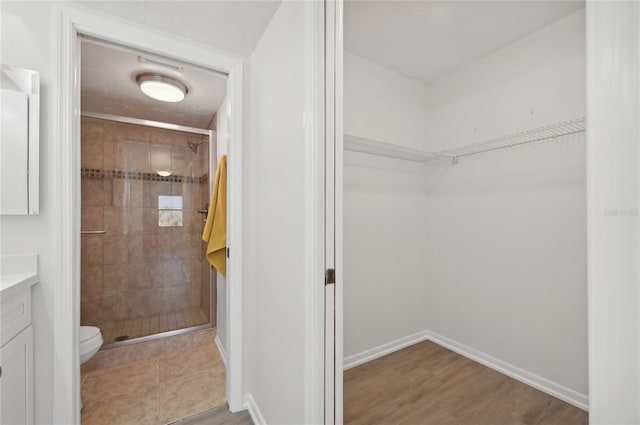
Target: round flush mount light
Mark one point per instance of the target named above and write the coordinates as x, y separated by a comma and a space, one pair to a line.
162, 88
164, 173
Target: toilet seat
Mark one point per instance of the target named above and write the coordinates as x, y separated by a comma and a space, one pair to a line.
90, 339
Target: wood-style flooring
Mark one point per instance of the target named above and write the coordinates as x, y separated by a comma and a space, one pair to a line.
217, 416
151, 325
430, 385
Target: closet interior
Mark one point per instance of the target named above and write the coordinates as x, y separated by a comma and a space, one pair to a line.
465, 290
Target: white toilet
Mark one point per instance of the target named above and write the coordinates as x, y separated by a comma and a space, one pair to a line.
90, 342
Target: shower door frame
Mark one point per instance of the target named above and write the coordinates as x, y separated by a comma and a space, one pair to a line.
72, 22
211, 134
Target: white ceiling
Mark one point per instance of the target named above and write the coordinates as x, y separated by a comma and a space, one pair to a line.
231, 25
427, 39
109, 87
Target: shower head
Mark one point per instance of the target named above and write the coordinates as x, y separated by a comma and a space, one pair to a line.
194, 145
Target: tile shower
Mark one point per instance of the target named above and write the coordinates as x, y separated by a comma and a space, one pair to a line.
146, 273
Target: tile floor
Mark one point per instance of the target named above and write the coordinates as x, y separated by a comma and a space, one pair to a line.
155, 383
143, 326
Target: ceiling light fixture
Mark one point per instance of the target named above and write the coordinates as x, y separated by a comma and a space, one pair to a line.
164, 173
162, 88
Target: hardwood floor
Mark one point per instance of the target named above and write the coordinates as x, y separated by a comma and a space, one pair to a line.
150, 325
428, 384
217, 416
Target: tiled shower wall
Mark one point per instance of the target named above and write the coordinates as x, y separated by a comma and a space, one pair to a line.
139, 267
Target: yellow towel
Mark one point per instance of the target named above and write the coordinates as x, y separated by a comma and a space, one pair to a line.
215, 229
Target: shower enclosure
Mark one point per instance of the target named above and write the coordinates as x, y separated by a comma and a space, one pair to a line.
144, 197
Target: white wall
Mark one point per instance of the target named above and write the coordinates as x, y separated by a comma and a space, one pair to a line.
274, 202
507, 231
614, 204
222, 140
491, 251
382, 104
383, 209
33, 24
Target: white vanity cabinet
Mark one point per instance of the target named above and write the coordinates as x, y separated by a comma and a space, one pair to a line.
19, 274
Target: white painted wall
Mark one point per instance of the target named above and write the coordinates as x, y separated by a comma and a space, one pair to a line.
506, 232
614, 201
274, 205
222, 140
383, 209
490, 253
382, 104
34, 25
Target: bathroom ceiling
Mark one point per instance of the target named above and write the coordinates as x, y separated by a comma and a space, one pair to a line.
232, 25
109, 87
427, 39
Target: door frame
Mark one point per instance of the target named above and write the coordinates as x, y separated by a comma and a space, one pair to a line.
333, 247
72, 21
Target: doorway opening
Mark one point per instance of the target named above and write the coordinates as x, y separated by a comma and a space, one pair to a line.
149, 149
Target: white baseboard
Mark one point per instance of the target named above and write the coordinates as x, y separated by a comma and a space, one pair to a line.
383, 350
254, 410
556, 390
222, 351
559, 391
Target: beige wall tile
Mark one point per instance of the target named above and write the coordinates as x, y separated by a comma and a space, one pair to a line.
97, 311
92, 279
135, 220
182, 161
92, 194
160, 158
92, 153
132, 156
116, 249
120, 192
136, 248
139, 133
161, 137
92, 218
157, 189
114, 221
110, 279
107, 186
91, 250
136, 193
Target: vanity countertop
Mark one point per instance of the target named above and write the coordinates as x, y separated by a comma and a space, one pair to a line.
17, 272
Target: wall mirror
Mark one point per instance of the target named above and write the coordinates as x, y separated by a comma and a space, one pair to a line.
19, 140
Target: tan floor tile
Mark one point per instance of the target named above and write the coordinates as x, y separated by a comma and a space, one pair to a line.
127, 378
207, 336
140, 408
178, 343
185, 397
189, 362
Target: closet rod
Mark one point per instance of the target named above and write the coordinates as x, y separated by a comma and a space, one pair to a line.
553, 131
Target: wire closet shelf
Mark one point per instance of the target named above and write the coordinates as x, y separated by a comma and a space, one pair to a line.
548, 132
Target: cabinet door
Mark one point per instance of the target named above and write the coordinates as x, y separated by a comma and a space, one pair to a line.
16, 381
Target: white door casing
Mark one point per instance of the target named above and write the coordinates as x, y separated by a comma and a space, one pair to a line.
333, 211
72, 21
